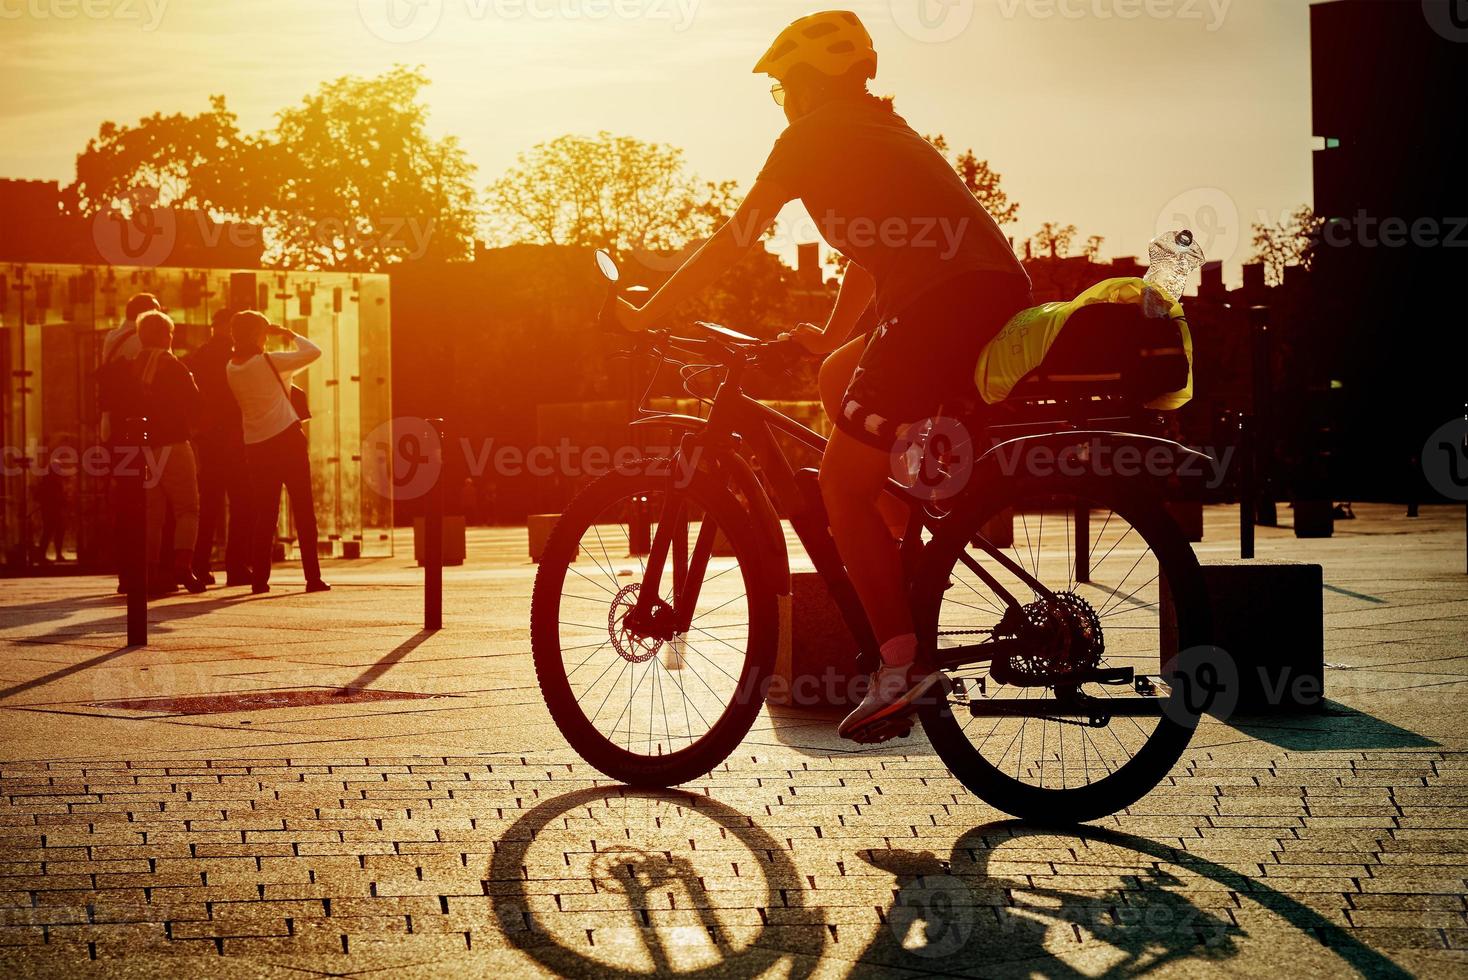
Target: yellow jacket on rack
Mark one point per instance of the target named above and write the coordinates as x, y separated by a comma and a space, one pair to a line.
1028, 336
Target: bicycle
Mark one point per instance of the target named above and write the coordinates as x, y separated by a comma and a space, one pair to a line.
701, 620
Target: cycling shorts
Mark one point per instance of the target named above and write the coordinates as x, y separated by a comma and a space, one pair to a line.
923, 357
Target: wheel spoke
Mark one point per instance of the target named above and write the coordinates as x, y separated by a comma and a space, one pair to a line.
624, 669
1026, 733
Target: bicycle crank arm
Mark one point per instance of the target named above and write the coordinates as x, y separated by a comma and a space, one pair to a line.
1083, 707
950, 658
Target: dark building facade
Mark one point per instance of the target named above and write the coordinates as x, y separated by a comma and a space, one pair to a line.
1391, 269
34, 228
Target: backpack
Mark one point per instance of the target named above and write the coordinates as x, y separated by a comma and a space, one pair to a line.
119, 392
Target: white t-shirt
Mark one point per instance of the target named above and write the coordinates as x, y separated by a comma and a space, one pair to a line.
121, 341
265, 408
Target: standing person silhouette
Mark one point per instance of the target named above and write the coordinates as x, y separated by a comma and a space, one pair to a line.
116, 398
276, 450
170, 402
940, 275
220, 446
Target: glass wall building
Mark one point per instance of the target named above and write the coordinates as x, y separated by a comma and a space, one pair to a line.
53, 318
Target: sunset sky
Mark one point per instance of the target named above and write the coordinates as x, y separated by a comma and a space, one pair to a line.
1120, 116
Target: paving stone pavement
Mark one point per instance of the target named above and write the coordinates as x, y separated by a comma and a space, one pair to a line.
454, 833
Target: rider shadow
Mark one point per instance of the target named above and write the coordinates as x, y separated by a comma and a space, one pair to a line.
808, 731
655, 908
958, 917
812, 732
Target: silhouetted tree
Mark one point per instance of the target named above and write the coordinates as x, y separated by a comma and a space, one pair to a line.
606, 191
348, 179
1292, 241
172, 161
1054, 239
982, 182
351, 179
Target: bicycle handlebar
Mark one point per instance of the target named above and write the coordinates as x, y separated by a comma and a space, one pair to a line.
778, 354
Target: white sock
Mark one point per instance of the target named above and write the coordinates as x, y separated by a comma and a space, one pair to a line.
900, 651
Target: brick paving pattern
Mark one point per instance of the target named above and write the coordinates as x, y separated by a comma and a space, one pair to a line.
154, 843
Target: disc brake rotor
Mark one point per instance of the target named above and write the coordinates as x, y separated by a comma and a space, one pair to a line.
632, 645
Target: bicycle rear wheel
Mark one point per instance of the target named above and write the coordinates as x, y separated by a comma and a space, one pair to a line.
652, 704
1083, 717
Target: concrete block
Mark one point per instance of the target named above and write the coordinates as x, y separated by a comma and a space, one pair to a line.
1314, 518
540, 526
818, 670
1189, 516
453, 539
1268, 618
999, 529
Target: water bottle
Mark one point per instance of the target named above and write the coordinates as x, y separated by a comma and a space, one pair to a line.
1174, 257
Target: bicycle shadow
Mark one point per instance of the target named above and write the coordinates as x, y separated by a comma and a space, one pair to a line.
640, 884
956, 917
974, 913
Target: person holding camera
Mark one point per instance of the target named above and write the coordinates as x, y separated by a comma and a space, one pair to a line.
275, 444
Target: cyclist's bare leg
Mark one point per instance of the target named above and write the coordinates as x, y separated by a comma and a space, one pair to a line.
834, 378
852, 478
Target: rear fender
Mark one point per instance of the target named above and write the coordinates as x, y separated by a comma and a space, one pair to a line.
1096, 453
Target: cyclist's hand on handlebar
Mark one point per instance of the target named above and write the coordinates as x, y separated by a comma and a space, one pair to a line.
782, 355
629, 317
809, 337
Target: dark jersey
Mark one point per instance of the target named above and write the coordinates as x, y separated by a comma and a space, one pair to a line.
886, 199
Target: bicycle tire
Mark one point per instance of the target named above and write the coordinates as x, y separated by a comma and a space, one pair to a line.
703, 755
1135, 502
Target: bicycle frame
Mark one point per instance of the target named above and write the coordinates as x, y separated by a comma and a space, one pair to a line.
737, 425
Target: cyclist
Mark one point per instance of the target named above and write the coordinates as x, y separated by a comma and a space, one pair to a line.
938, 275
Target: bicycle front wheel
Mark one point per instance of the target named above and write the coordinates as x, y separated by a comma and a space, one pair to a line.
663, 699
1081, 714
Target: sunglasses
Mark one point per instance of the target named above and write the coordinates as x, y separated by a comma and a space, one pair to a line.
777, 92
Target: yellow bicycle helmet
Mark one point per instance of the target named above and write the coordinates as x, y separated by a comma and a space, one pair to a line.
831, 41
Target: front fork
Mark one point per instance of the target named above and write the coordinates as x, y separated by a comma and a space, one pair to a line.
671, 540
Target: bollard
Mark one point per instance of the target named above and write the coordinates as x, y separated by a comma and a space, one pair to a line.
1247, 492
639, 527
134, 558
1262, 421
433, 540
1083, 542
